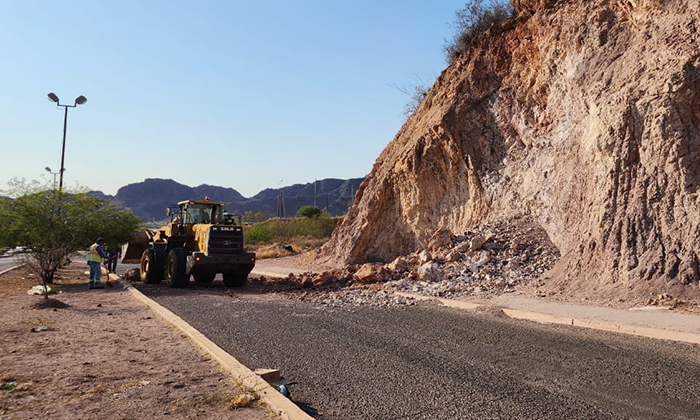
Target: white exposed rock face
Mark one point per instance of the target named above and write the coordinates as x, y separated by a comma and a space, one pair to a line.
430, 272
399, 264
476, 243
582, 114
424, 256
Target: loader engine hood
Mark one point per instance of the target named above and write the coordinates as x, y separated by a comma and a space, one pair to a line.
219, 239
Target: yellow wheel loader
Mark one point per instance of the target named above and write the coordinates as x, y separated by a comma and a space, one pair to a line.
201, 240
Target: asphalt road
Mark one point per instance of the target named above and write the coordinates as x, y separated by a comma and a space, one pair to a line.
431, 362
8, 262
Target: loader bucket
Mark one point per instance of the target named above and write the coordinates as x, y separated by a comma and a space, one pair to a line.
132, 251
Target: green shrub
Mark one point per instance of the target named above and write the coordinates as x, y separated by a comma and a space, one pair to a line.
257, 233
282, 230
309, 211
475, 18
55, 225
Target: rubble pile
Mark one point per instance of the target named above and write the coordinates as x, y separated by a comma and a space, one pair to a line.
490, 259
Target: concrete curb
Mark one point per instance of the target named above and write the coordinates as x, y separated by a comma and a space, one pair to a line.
282, 406
11, 268
657, 333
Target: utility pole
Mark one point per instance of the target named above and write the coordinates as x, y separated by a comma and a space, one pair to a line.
279, 196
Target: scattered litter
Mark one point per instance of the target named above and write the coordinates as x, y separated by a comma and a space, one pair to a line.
284, 391
144, 383
8, 386
274, 378
40, 328
39, 290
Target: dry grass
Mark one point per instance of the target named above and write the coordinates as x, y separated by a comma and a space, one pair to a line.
271, 251
299, 245
243, 399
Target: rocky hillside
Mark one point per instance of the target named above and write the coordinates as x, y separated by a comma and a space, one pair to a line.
149, 199
582, 114
332, 195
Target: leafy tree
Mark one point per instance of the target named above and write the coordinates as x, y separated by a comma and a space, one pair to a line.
53, 225
309, 211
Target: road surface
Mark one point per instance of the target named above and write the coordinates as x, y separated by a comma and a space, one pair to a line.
432, 362
8, 262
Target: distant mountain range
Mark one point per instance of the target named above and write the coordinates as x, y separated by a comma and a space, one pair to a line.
150, 198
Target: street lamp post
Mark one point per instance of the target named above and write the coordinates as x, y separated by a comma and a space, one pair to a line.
78, 101
47, 169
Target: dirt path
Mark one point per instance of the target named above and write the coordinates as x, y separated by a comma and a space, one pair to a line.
105, 356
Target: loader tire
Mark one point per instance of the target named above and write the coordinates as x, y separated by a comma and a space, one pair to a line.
176, 268
204, 277
151, 273
235, 279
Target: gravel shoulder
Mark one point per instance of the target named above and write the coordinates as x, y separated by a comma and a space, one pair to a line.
104, 356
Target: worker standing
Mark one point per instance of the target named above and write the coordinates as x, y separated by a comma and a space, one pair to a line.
95, 257
113, 253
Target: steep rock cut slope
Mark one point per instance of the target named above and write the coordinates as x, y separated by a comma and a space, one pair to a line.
584, 115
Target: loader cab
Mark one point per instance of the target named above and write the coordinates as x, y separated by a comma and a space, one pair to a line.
186, 214
193, 212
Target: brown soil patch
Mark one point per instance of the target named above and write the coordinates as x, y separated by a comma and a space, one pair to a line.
52, 303
105, 356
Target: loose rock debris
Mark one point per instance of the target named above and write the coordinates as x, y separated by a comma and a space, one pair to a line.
488, 260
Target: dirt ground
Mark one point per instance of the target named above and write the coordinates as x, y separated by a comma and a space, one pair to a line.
105, 356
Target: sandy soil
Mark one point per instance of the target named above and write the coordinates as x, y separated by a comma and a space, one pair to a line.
295, 262
105, 356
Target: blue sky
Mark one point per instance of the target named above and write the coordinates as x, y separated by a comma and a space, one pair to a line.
242, 94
